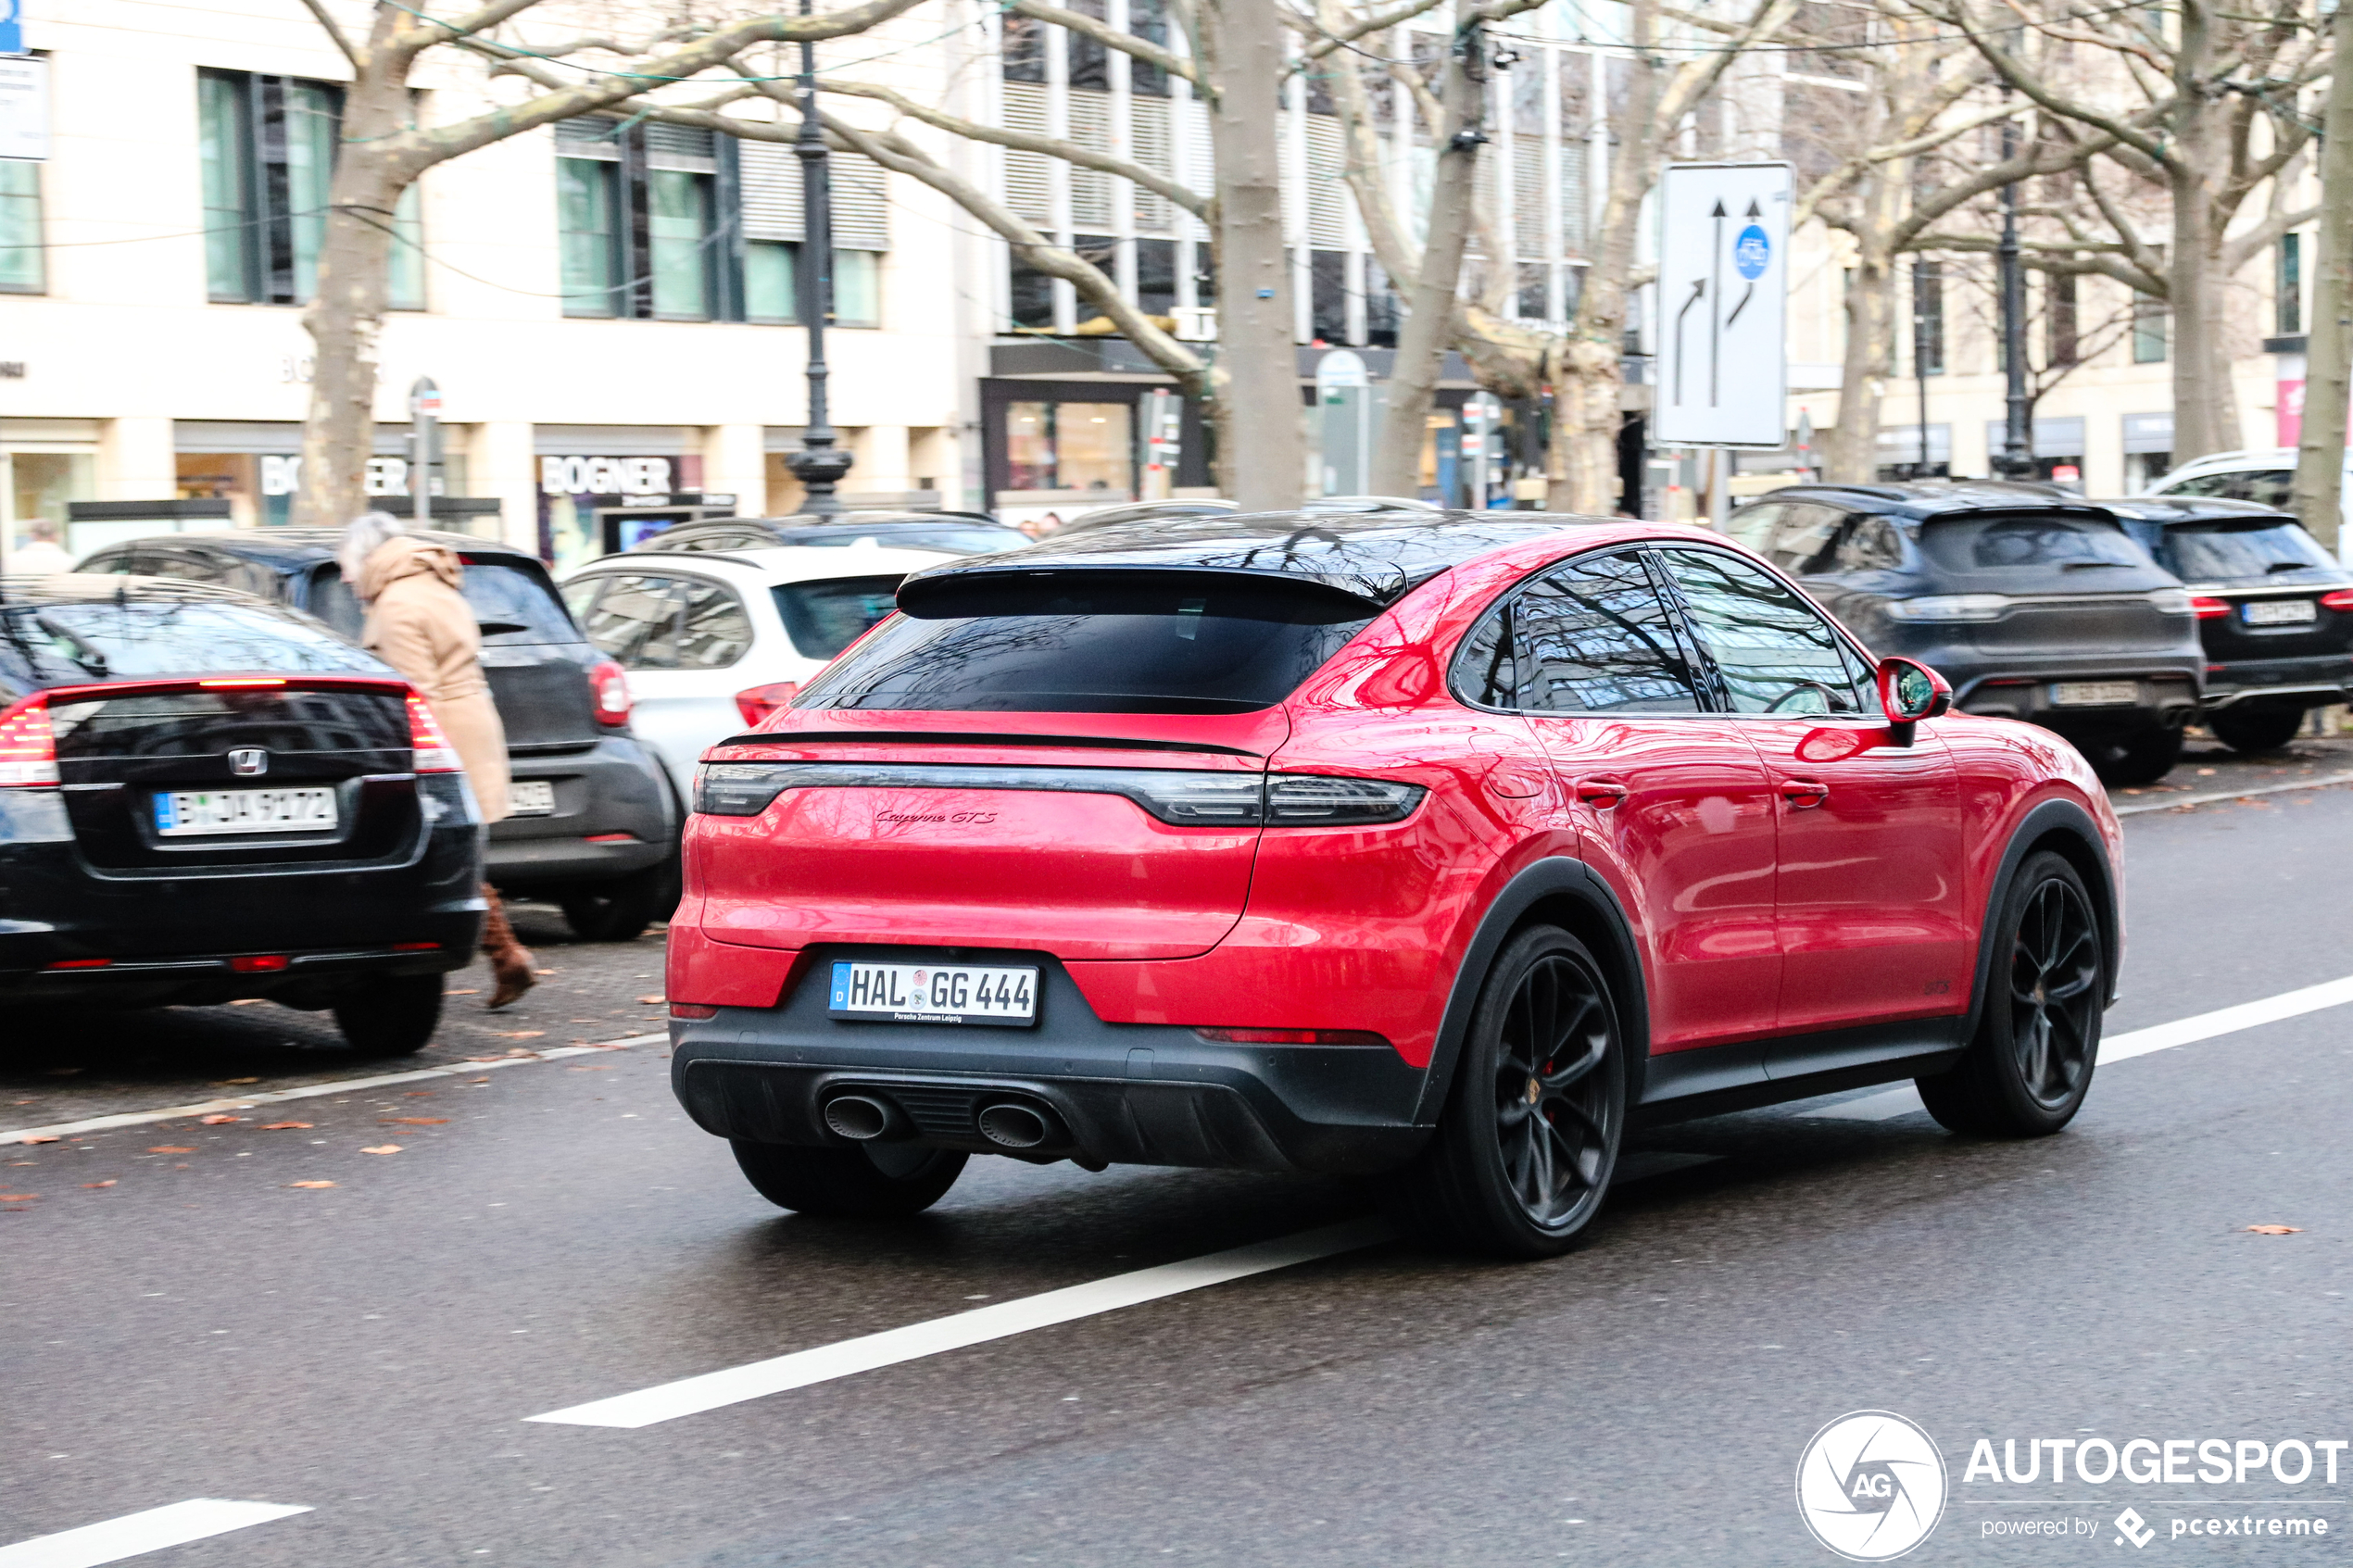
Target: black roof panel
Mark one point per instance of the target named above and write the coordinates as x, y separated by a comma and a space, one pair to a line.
288, 549
1937, 497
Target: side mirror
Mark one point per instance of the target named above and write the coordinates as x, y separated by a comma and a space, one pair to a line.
1909, 691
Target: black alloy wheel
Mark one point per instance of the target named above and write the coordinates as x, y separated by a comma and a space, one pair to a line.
1531, 1135
2247, 729
865, 1182
619, 910
2027, 1070
2137, 757
392, 1015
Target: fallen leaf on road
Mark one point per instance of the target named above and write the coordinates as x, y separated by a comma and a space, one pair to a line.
171, 1148
469, 991
486, 1058
2277, 1230
17, 1197
543, 974
519, 1034
311, 1184
479, 1080
606, 1068
97, 1184
285, 1126
39, 1137
223, 1082
653, 1001
411, 1121
248, 1001
383, 1148
219, 1120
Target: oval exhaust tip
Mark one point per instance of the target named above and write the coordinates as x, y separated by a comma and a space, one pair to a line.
857, 1117
1014, 1127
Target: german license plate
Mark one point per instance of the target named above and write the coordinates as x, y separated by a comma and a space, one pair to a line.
531, 797
907, 993
185, 814
2095, 694
2279, 612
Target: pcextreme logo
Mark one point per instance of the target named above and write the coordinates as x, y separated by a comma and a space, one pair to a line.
1871, 1486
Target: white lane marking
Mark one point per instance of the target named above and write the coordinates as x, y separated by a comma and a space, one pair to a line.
312, 1091
2177, 802
115, 1539
2137, 1042
692, 1396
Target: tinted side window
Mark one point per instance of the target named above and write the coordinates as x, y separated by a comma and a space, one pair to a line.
636, 622
1594, 638
515, 593
1802, 538
713, 631
1753, 526
824, 618
1483, 665
1866, 544
1773, 651
2268, 486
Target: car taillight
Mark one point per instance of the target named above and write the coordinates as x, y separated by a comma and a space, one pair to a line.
612, 687
28, 746
2340, 599
434, 752
761, 701
2209, 609
1292, 1036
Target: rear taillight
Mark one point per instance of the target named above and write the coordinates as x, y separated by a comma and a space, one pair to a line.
761, 701
2340, 599
692, 1010
434, 752
2209, 609
28, 746
610, 686
1292, 1036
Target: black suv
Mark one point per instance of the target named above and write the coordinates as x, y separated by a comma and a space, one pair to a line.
2035, 606
204, 797
596, 822
960, 533
2274, 609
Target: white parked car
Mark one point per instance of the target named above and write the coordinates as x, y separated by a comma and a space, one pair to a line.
713, 641
2262, 474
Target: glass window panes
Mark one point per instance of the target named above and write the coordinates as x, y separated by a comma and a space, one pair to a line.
1092, 447
2256, 549
1483, 672
1802, 538
313, 120
2042, 544
75, 640
1594, 638
636, 620
679, 225
1773, 651
2151, 328
20, 256
772, 284
584, 199
827, 617
1868, 544
404, 287
857, 288
1753, 526
713, 630
220, 150
2268, 486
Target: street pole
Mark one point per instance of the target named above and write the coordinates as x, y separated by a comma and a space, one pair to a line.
819, 464
424, 435
1920, 367
2018, 441
2318, 492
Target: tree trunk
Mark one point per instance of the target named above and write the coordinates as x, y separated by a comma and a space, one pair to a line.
1261, 453
2205, 410
346, 315
2319, 458
1429, 326
1851, 455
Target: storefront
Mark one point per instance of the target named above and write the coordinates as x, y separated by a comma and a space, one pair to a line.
45, 466
2058, 448
2148, 449
255, 466
606, 487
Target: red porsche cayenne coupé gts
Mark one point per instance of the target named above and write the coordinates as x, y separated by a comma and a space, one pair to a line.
1440, 847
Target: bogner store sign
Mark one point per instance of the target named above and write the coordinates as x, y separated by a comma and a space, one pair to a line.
606, 476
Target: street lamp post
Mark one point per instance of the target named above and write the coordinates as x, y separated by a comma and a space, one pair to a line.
2017, 446
819, 464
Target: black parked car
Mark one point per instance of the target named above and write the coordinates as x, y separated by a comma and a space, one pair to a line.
596, 822
962, 533
2275, 610
2034, 606
203, 796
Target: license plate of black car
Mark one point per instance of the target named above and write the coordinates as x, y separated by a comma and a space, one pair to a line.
2279, 612
531, 797
2095, 693
911, 993
185, 814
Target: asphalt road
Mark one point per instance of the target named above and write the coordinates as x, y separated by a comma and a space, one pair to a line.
196, 1325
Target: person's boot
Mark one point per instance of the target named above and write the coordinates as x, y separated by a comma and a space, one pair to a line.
510, 960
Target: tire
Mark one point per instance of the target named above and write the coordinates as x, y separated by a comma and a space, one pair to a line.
2141, 756
2255, 729
2025, 1073
392, 1016
620, 910
1529, 1136
861, 1183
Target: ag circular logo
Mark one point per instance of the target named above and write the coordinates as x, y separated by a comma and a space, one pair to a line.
1870, 1486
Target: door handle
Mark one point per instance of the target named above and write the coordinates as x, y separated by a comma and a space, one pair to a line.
1802, 793
1602, 793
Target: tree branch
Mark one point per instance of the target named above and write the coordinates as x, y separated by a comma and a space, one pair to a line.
1110, 38
1379, 21
319, 14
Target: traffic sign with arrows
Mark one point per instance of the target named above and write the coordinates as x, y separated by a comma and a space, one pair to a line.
1723, 283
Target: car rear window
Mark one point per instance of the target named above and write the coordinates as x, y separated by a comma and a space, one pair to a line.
501, 594
1164, 643
101, 639
2221, 549
2032, 542
824, 618
971, 539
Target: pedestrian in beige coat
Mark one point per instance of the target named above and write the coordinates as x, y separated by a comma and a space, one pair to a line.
420, 624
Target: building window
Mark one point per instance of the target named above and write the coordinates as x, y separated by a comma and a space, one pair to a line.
771, 281
1156, 277
2291, 285
405, 288
1070, 446
1032, 296
857, 289
2065, 346
21, 270
267, 149
590, 240
1928, 318
678, 244
1327, 296
2151, 326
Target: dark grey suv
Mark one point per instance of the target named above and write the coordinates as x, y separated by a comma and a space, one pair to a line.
595, 823
2035, 606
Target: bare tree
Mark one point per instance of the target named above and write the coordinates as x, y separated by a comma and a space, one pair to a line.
383, 151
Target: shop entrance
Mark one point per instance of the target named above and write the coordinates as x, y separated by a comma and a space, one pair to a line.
623, 522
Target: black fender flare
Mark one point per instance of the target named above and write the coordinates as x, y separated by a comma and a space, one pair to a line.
1556, 878
2062, 817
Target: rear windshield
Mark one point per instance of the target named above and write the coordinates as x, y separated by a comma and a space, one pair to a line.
102, 640
503, 594
965, 539
2032, 543
1187, 644
824, 618
2223, 550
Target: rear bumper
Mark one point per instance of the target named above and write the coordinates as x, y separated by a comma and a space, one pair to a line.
2313, 682
613, 788
2163, 698
1128, 1094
